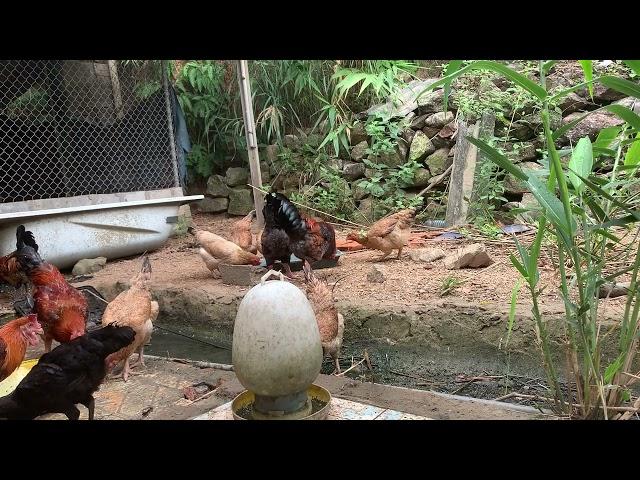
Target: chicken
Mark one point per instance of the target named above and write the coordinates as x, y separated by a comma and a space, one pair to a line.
241, 234
10, 271
136, 309
259, 241
330, 322
387, 234
274, 241
216, 250
15, 336
62, 310
66, 376
310, 239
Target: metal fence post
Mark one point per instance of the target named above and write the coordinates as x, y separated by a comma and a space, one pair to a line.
172, 140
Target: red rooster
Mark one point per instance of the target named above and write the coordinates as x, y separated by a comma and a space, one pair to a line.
309, 239
15, 336
10, 271
62, 310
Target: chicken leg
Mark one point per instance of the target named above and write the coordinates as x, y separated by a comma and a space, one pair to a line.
140, 360
47, 344
399, 252
72, 413
90, 403
335, 359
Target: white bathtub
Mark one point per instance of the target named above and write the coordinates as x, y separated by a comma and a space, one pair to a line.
110, 225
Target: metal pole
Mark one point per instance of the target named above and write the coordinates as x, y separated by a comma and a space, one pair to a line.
252, 142
172, 140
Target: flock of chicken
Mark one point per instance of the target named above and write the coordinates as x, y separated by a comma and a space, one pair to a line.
71, 373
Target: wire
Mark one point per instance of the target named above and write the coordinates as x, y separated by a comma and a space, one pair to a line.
195, 339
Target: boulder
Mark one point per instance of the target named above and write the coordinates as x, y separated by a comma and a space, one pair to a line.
353, 171
471, 256
216, 186
236, 176
421, 146
240, 201
358, 134
421, 178
359, 151
426, 254
213, 205
590, 126
87, 266
438, 161
439, 120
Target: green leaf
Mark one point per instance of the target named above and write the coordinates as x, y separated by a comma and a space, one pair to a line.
497, 158
621, 85
612, 369
512, 310
581, 162
633, 153
633, 65
518, 266
546, 66
606, 136
587, 68
454, 65
551, 205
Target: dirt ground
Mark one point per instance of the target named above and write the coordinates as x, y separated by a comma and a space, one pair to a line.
407, 283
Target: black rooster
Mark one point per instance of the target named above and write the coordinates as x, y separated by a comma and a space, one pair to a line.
68, 375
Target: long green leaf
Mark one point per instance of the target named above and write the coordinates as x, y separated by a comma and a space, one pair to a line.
552, 206
606, 136
497, 158
633, 65
621, 85
581, 162
454, 65
633, 153
546, 66
587, 68
512, 310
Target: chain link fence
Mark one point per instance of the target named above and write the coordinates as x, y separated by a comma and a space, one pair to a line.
80, 127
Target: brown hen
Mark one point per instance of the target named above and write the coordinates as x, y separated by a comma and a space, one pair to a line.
387, 234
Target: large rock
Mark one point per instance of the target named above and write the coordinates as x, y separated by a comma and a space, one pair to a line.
418, 122
292, 141
216, 186
402, 148
358, 134
421, 146
213, 205
264, 172
439, 161
439, 120
240, 201
87, 266
270, 154
408, 135
472, 256
236, 176
521, 151
392, 158
366, 210
433, 101
573, 103
522, 131
314, 140
358, 192
421, 178
426, 254
590, 126
359, 151
431, 132
353, 171
403, 101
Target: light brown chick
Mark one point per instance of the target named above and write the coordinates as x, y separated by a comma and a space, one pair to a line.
241, 234
387, 234
330, 322
134, 308
223, 251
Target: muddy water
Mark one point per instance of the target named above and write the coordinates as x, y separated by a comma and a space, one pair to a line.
183, 345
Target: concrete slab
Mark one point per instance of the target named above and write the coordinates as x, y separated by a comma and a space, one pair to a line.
340, 409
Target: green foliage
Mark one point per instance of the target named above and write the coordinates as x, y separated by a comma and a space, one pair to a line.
449, 284
384, 133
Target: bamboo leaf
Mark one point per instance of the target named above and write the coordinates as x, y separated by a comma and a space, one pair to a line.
581, 162
587, 68
633, 65
512, 310
551, 205
633, 153
454, 65
606, 137
621, 85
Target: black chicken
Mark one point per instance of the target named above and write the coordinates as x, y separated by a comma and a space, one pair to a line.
310, 239
66, 376
275, 241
